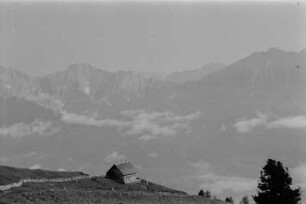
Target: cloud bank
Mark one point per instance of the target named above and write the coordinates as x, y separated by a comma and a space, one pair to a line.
244, 126
72, 118
293, 122
23, 130
147, 125
152, 125
289, 122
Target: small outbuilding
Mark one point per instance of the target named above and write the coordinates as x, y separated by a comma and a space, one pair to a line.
123, 173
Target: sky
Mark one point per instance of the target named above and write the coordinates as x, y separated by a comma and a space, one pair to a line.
41, 38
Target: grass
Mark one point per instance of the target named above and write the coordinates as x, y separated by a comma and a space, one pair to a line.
88, 190
11, 175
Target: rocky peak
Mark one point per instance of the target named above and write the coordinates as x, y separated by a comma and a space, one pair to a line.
275, 51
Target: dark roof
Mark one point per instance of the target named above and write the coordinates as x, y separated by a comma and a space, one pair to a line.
126, 168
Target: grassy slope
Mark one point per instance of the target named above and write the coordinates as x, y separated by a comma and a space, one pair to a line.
94, 190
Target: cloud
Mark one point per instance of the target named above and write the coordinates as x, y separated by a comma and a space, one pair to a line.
143, 126
293, 122
201, 165
114, 157
289, 122
22, 130
72, 118
220, 184
35, 166
151, 125
163, 116
244, 126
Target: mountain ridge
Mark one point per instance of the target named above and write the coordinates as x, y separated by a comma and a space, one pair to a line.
82, 87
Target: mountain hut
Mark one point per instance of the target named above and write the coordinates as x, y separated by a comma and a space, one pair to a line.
123, 173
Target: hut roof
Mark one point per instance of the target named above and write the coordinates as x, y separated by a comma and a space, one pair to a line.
126, 168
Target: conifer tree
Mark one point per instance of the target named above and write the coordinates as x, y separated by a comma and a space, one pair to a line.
274, 185
201, 193
229, 200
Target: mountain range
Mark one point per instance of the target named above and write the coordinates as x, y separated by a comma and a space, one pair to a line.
225, 117
273, 79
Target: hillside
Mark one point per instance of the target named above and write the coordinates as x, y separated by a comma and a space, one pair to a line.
10, 174
86, 190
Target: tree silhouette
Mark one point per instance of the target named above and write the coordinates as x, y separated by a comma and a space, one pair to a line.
245, 200
205, 194
201, 193
208, 194
229, 200
274, 186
